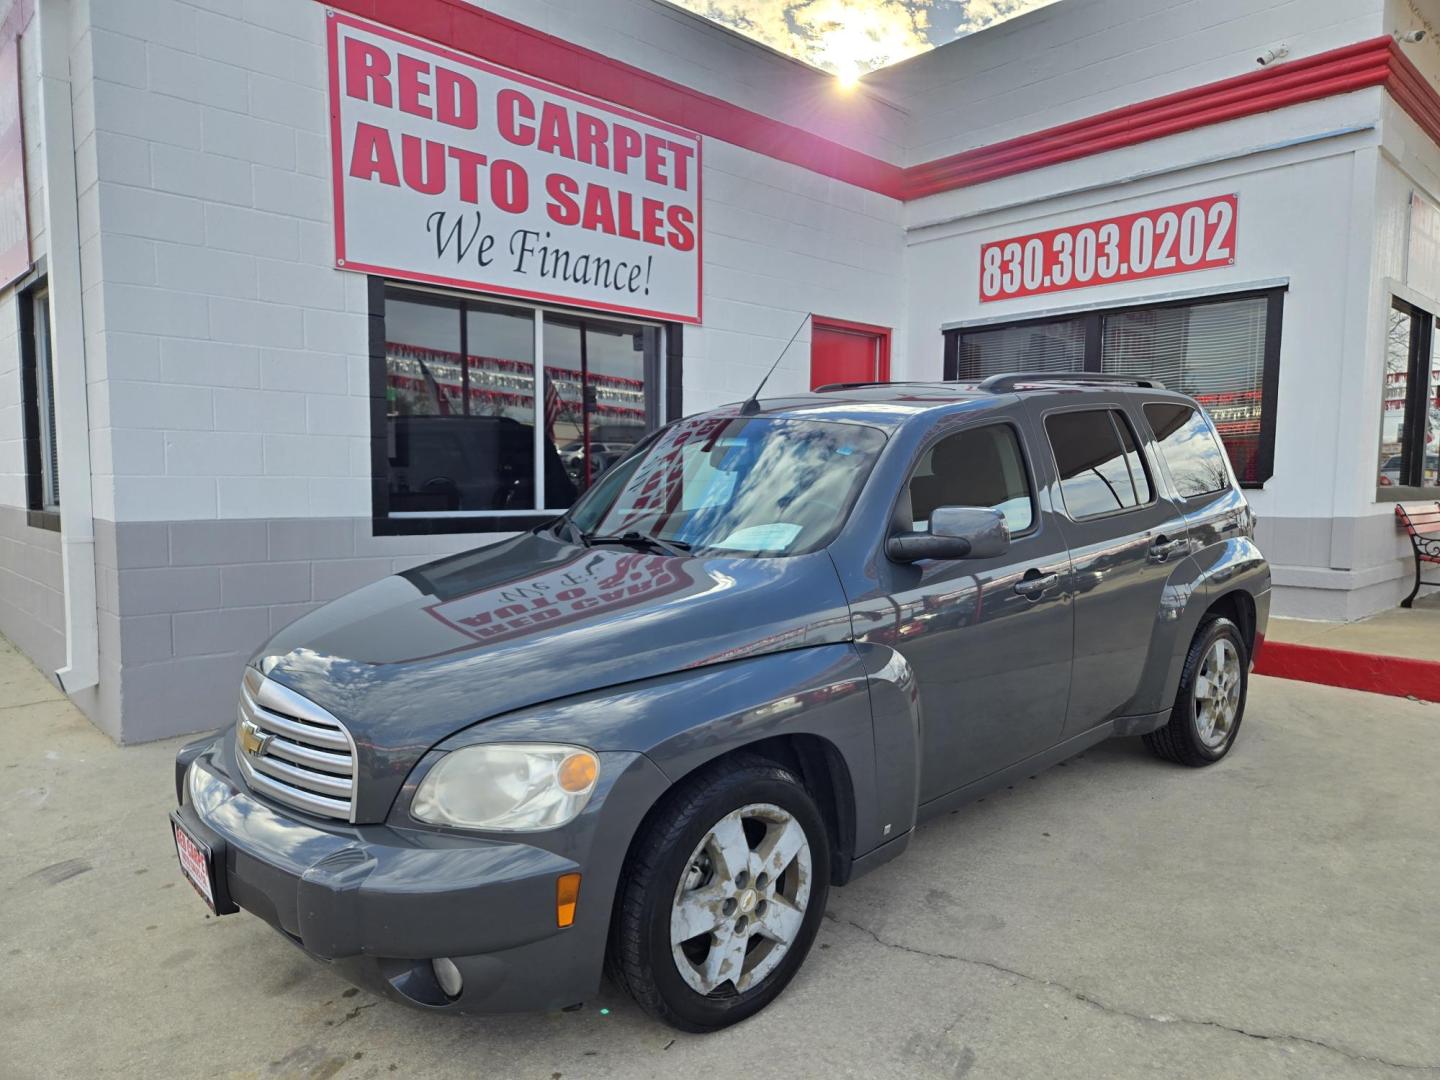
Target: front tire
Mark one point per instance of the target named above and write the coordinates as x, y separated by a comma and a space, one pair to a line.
1211, 701
722, 896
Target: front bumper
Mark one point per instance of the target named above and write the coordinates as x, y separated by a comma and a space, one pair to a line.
379, 902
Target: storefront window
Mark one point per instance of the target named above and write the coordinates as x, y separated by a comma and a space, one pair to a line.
596, 392
1409, 456
1039, 346
36, 410
1224, 352
467, 435
1213, 352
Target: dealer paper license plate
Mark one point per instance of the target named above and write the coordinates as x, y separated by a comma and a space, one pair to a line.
195, 864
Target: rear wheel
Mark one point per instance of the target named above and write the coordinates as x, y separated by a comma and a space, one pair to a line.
722, 896
1211, 700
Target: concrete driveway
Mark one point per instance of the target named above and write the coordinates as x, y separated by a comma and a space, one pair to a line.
1275, 916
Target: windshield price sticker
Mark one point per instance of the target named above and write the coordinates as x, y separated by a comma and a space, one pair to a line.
1170, 240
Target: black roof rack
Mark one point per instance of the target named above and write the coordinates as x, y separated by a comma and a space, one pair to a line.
999, 384
882, 382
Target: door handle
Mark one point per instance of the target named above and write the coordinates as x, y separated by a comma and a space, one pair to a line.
1162, 549
1032, 588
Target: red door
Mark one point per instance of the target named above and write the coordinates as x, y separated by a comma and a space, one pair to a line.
848, 352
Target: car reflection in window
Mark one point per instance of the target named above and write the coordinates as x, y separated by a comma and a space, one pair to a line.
755, 487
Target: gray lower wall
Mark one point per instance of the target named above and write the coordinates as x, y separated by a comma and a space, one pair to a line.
184, 604
32, 590
1337, 569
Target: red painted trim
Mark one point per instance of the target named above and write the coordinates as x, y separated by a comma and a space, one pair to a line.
1398, 676
1339, 71
518, 47
1413, 92
846, 324
884, 333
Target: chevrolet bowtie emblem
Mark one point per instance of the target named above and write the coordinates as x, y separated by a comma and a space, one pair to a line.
252, 740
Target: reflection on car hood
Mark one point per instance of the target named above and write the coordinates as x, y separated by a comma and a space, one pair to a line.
415, 657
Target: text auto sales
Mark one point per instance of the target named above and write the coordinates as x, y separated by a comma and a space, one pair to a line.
432, 167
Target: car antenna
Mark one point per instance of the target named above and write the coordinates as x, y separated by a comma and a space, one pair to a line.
752, 403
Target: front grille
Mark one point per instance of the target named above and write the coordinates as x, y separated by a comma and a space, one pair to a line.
293, 751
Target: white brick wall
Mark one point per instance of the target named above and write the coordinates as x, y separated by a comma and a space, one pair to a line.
200, 110
233, 337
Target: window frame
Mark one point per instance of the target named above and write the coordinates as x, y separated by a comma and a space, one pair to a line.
37, 405
668, 396
1110, 408
1417, 393
936, 437
1094, 322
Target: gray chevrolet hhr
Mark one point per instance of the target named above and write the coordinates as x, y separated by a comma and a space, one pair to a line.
650, 735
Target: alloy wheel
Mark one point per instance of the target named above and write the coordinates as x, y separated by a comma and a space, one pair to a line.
1217, 693
741, 901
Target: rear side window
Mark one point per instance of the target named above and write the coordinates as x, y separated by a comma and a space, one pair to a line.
978, 467
1197, 464
1100, 468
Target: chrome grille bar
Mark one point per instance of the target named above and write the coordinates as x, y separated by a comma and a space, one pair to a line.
316, 783
330, 738
305, 755
318, 805
293, 751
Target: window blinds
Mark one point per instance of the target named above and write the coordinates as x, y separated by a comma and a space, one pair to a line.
1051, 346
1214, 352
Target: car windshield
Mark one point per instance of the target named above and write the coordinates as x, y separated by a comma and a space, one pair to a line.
733, 485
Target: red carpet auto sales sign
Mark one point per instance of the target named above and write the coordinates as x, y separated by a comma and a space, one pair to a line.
453, 171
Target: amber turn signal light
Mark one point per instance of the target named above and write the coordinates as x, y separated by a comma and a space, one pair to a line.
577, 772
567, 894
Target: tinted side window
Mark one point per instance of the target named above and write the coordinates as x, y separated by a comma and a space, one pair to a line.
1132, 458
1196, 461
979, 467
1100, 467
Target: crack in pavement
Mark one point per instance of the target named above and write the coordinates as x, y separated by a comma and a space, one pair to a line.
1144, 1018
27, 704
353, 1013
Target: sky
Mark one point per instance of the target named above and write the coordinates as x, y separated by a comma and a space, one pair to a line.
850, 37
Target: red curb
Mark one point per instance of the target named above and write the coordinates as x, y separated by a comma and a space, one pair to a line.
1398, 676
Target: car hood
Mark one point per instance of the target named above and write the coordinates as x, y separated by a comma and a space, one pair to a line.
417, 656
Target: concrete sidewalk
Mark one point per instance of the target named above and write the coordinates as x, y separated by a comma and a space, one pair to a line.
1409, 632
1395, 652
1273, 916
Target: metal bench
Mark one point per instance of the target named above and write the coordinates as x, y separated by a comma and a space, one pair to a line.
1421, 522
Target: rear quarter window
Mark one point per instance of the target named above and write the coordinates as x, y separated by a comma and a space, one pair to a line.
1195, 460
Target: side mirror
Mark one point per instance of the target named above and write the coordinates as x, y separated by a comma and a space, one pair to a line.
956, 532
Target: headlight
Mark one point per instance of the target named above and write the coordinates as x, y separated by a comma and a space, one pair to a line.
192, 782
507, 787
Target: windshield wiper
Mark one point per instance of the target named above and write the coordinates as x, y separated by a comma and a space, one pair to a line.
638, 540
